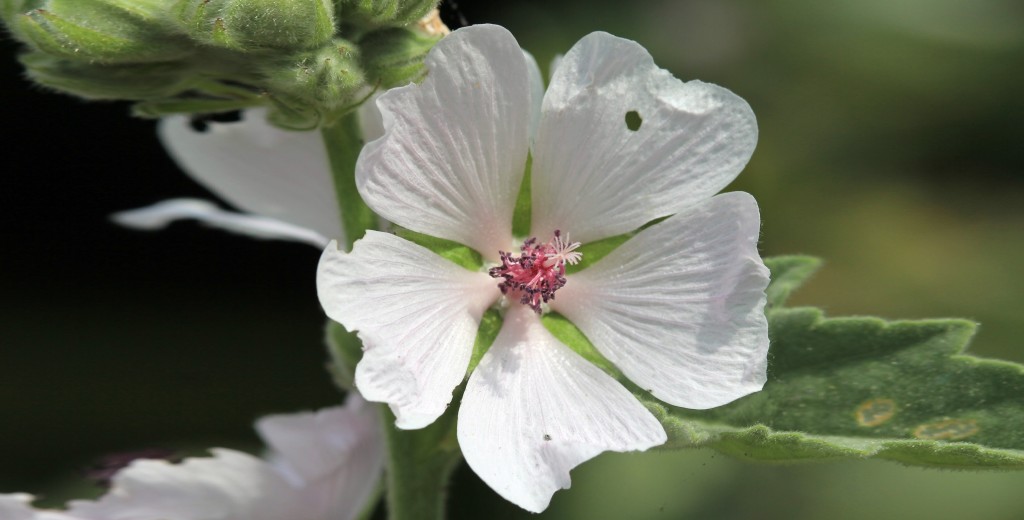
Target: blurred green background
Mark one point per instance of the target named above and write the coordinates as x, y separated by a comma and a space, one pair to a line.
891, 146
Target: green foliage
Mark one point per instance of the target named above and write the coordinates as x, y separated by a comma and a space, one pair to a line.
863, 387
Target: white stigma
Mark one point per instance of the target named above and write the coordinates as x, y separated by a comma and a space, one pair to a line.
564, 251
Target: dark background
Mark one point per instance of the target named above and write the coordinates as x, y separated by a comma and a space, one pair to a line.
890, 145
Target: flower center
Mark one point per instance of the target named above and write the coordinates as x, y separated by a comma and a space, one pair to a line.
538, 271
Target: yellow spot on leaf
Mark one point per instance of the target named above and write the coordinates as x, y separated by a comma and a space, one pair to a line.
875, 411
947, 429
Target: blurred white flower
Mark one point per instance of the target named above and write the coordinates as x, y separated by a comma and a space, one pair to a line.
279, 179
320, 466
616, 144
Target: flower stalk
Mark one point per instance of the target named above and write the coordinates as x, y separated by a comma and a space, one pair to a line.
343, 141
419, 465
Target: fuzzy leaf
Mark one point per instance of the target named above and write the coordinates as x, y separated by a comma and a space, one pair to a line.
864, 387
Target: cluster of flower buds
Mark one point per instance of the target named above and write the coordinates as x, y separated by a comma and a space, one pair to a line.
308, 61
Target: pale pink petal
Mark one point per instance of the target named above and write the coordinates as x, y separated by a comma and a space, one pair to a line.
534, 409
454, 149
259, 168
228, 486
594, 177
334, 456
417, 315
679, 308
162, 214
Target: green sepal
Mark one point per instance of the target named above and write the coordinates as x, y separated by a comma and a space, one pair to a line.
561, 328
323, 79
394, 56
395, 13
163, 107
453, 251
521, 215
256, 25
11, 8
101, 31
107, 82
490, 325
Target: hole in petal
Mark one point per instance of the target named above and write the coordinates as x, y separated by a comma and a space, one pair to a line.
633, 120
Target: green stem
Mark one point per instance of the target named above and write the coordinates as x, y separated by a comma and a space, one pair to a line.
420, 464
344, 141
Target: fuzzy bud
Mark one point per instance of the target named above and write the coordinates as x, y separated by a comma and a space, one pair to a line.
326, 78
395, 56
252, 25
393, 13
100, 31
107, 82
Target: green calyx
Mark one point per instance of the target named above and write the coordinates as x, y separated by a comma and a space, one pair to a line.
101, 31
329, 76
394, 13
107, 82
394, 56
256, 25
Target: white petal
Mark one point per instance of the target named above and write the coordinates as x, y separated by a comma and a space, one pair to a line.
18, 506
594, 177
679, 308
417, 315
534, 409
162, 214
259, 168
228, 486
334, 455
454, 149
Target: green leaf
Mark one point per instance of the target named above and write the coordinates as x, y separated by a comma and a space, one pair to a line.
788, 274
864, 387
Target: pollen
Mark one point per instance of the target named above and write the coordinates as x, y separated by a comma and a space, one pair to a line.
538, 271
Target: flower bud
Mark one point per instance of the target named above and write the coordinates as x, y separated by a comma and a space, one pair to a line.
325, 78
384, 12
248, 25
100, 31
394, 56
112, 82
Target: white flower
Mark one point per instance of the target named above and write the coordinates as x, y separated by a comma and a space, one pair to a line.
321, 466
678, 308
280, 179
